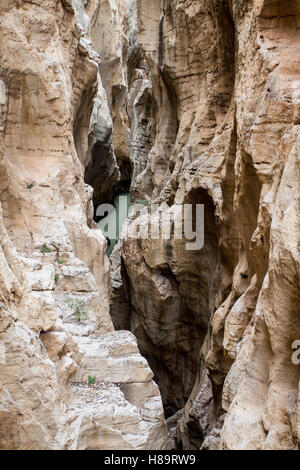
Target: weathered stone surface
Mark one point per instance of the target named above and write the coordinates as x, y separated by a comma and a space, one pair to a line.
186, 102
119, 306
114, 358
54, 274
100, 418
223, 83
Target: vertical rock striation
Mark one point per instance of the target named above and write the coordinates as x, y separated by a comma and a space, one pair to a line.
183, 102
213, 113
55, 328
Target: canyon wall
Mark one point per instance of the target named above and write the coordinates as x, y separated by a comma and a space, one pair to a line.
213, 109
178, 102
67, 379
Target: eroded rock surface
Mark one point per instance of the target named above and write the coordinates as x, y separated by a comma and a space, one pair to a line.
55, 328
213, 103
185, 102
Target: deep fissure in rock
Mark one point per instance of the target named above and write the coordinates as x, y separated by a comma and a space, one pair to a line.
171, 332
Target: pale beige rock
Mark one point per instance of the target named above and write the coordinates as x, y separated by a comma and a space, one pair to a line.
113, 358
54, 273
223, 84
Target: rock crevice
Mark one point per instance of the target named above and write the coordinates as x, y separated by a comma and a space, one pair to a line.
175, 102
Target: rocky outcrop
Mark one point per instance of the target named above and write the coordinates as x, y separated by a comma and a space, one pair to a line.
213, 109
183, 102
55, 328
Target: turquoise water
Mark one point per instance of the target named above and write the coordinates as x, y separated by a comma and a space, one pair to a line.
114, 221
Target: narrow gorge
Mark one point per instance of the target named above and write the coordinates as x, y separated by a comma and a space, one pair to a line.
134, 342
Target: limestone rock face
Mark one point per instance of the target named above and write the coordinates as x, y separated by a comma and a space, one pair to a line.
119, 306
123, 410
213, 107
178, 102
55, 327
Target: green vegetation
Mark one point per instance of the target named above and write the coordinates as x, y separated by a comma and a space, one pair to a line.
45, 249
91, 380
141, 201
56, 278
60, 261
147, 109
29, 186
78, 309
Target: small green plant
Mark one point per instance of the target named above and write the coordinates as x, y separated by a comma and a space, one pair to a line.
29, 186
56, 278
60, 261
130, 263
78, 309
45, 249
91, 380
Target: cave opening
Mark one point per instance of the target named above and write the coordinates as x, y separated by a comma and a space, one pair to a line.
110, 179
